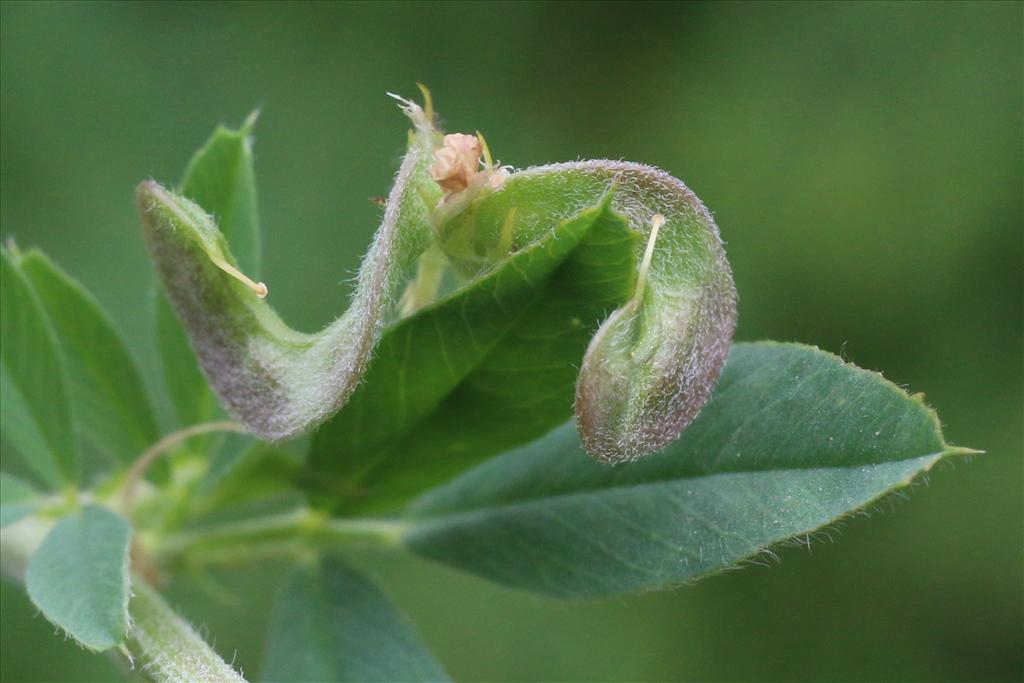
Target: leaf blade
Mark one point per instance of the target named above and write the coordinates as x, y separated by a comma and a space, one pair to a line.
497, 358
18, 499
221, 178
756, 468
112, 407
79, 577
247, 471
332, 624
35, 413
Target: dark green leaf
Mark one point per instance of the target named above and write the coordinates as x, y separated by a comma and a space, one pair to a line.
792, 440
489, 368
193, 400
35, 415
79, 577
110, 402
18, 499
332, 625
220, 179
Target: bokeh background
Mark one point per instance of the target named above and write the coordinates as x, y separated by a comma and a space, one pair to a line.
864, 162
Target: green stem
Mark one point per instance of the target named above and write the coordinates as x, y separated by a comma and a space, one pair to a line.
169, 648
283, 535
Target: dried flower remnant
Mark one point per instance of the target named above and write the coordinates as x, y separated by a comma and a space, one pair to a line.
456, 162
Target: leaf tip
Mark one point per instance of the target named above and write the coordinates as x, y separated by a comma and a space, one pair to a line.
250, 122
953, 451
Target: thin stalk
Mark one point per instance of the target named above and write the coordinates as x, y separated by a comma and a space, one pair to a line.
161, 447
287, 534
422, 291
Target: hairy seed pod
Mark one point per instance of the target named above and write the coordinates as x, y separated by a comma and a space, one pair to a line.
648, 370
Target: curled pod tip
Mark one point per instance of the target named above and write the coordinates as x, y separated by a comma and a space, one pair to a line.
653, 363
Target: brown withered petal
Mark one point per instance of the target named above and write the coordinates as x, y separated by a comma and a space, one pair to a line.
456, 162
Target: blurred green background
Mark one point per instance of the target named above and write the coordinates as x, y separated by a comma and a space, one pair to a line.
864, 162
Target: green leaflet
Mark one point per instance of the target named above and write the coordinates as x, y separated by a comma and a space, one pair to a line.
18, 499
332, 624
35, 416
277, 381
112, 408
247, 471
792, 440
220, 179
79, 577
488, 368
